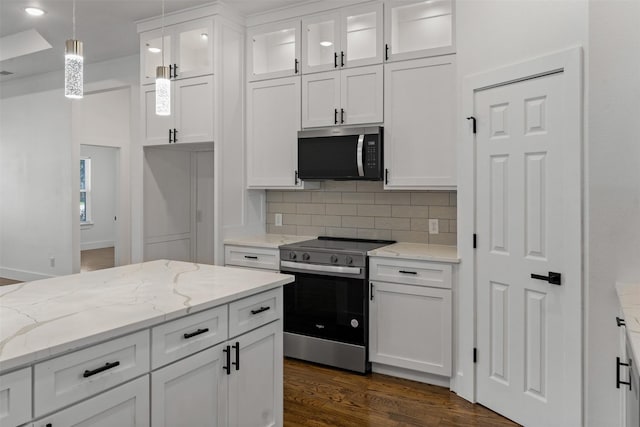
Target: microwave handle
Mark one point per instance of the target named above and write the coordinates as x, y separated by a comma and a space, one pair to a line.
359, 155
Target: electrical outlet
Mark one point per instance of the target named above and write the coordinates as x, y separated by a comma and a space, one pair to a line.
278, 220
433, 226
52, 261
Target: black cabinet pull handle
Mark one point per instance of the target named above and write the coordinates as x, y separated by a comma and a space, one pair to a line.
342, 59
618, 382
170, 136
236, 346
107, 366
335, 116
408, 272
553, 278
386, 52
175, 70
371, 291
620, 322
260, 310
175, 135
296, 178
335, 59
295, 66
251, 257
227, 351
386, 176
49, 425
170, 70
193, 334
342, 115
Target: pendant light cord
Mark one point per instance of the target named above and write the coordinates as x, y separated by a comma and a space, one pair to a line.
162, 35
74, 19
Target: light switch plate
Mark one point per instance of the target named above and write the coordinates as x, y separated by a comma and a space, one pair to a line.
433, 226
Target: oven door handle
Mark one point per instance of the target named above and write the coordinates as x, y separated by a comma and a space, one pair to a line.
320, 268
359, 155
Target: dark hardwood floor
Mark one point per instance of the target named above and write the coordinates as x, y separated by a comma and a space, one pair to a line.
323, 397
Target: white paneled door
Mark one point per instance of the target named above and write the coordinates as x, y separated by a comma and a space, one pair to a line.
528, 175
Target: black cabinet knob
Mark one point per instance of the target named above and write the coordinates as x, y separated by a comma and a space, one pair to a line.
334, 259
306, 257
292, 255
349, 260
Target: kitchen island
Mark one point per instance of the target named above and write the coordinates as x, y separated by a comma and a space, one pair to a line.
157, 343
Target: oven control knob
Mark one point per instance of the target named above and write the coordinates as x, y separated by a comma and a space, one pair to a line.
305, 256
292, 255
349, 260
334, 259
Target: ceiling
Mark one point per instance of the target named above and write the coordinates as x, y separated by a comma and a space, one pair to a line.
106, 27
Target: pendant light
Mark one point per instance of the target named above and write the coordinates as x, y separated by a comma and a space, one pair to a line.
73, 64
163, 85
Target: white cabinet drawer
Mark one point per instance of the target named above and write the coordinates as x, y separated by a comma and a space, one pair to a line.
187, 335
410, 272
254, 311
243, 256
75, 376
15, 397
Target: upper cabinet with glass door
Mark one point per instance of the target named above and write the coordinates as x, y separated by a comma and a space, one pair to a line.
348, 37
187, 50
273, 50
418, 28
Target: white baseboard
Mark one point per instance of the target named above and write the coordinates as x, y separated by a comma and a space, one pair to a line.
409, 374
85, 246
21, 275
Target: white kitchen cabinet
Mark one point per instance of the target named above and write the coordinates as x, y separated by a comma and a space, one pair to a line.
345, 97
410, 315
123, 406
191, 392
273, 50
418, 28
255, 383
267, 259
192, 113
188, 50
273, 122
15, 397
348, 37
419, 132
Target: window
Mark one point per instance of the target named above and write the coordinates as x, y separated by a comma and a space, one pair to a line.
85, 190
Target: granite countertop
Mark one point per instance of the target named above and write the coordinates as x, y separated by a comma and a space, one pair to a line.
267, 240
418, 251
629, 296
47, 317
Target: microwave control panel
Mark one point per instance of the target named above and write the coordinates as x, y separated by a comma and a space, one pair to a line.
372, 157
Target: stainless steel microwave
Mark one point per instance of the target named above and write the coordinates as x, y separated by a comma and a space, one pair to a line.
341, 154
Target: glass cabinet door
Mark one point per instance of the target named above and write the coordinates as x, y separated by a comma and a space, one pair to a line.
273, 50
419, 28
321, 50
194, 49
362, 35
151, 54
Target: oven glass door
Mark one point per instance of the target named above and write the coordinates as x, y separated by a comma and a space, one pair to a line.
332, 308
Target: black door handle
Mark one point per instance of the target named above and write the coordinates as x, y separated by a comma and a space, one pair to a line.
170, 136
175, 135
342, 59
236, 346
342, 115
553, 278
618, 382
295, 66
335, 59
170, 70
260, 310
620, 322
386, 52
193, 334
107, 366
175, 70
227, 351
386, 176
335, 116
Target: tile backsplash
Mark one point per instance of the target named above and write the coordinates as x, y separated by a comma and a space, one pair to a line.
363, 209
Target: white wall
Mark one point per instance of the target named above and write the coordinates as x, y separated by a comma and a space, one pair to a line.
491, 34
36, 176
101, 233
614, 190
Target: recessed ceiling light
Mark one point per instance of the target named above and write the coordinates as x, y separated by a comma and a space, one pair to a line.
34, 11
326, 44
155, 50
204, 36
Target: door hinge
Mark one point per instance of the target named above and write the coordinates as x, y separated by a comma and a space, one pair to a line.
620, 321
475, 355
475, 240
474, 123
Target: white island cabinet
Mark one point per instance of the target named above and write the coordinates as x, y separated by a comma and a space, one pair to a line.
161, 343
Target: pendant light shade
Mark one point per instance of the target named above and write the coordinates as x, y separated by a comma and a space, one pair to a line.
73, 64
73, 69
163, 91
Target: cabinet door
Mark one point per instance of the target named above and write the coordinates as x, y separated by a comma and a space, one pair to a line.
155, 128
410, 327
193, 48
152, 53
273, 50
193, 109
191, 392
419, 133
123, 406
362, 39
418, 28
255, 384
321, 39
321, 99
15, 397
362, 95
273, 122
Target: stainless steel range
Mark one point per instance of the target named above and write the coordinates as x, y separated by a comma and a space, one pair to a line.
326, 309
